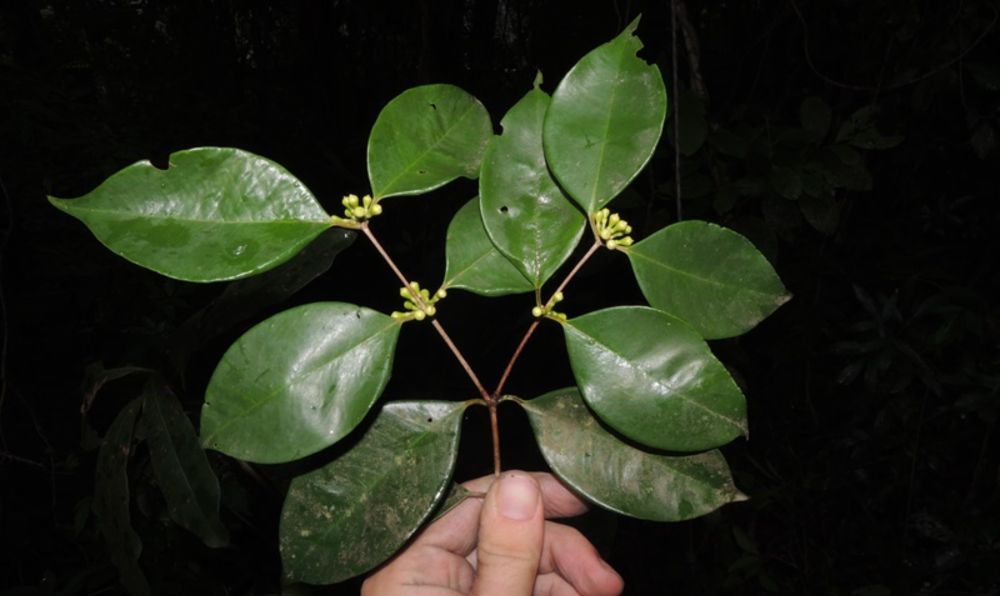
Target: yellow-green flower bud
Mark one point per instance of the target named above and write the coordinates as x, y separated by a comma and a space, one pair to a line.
440, 294
419, 315
537, 312
557, 297
376, 209
358, 212
431, 310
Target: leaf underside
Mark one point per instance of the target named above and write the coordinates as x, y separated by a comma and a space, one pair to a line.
355, 512
619, 477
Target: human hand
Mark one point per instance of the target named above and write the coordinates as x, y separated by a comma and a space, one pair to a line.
501, 545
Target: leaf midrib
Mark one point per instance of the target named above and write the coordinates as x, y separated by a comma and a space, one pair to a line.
123, 215
387, 188
633, 252
253, 407
645, 374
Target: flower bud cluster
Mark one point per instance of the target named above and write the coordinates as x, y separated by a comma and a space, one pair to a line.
548, 310
612, 229
418, 302
362, 209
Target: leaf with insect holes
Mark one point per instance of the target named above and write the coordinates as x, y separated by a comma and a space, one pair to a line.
604, 121
214, 214
473, 263
426, 137
298, 382
526, 215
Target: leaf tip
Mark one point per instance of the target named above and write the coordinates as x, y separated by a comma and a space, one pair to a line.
539, 79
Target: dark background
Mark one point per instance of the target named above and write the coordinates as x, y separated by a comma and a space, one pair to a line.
873, 395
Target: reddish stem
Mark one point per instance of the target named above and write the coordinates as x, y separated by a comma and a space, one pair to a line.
534, 325
495, 430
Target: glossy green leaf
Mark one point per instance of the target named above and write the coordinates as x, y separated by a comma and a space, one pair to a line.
111, 500
707, 275
526, 215
298, 382
182, 472
651, 377
604, 121
473, 262
214, 214
426, 137
619, 477
350, 515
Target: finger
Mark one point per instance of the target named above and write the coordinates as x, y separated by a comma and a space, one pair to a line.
567, 553
424, 570
510, 537
457, 530
550, 584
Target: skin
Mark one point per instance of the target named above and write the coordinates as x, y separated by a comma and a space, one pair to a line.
501, 545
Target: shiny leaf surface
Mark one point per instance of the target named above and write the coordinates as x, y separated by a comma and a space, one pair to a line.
473, 262
651, 377
350, 515
182, 472
526, 215
619, 477
604, 121
711, 277
111, 500
426, 137
214, 214
298, 382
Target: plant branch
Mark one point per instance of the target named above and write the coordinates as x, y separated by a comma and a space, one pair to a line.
495, 431
444, 334
534, 325
461, 360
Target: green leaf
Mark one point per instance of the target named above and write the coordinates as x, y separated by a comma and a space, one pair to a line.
214, 214
619, 477
652, 378
473, 263
111, 500
604, 121
710, 277
298, 382
815, 117
526, 215
187, 481
426, 137
350, 515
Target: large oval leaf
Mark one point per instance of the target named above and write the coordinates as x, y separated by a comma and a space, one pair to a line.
473, 263
426, 137
350, 515
605, 120
620, 477
214, 214
707, 275
298, 382
653, 379
525, 213
182, 471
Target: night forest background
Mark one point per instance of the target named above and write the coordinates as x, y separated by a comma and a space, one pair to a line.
853, 141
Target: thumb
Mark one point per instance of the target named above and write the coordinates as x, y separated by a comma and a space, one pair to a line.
511, 527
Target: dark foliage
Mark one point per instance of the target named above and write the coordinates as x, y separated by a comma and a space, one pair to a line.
853, 140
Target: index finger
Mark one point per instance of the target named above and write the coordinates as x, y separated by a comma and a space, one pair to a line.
458, 530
